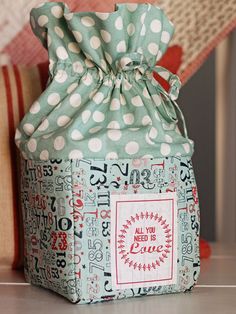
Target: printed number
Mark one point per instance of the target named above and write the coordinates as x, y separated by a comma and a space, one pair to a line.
55, 273
47, 171
95, 252
105, 214
147, 184
185, 172
187, 247
56, 161
106, 228
101, 180
123, 172
61, 262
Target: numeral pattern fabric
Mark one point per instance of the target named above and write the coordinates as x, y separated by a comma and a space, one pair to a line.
67, 222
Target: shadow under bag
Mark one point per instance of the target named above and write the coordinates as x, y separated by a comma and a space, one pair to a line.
109, 197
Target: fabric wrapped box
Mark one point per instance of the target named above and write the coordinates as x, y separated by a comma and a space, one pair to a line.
109, 197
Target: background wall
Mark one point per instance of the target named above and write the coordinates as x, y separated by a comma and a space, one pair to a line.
197, 100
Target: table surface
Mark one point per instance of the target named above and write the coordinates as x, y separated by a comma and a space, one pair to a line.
214, 293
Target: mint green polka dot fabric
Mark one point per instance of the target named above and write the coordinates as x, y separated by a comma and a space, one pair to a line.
102, 100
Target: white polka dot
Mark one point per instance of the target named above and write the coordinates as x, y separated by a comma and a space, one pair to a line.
147, 156
155, 26
164, 74
131, 6
168, 138
108, 57
78, 36
124, 61
69, 16
78, 67
44, 155
53, 99
186, 147
75, 154
143, 30
159, 55
148, 139
153, 133
103, 16
146, 93
44, 125
76, 135
57, 11
88, 63
165, 37
32, 145
132, 148
153, 48
157, 99
42, 20
115, 104
103, 64
113, 125
73, 47
49, 40
71, 88
75, 100
59, 31
95, 129
121, 47
87, 79
143, 16
32, 22
165, 149
35, 108
98, 116
137, 101
112, 155
168, 127
62, 53
61, 76
106, 36
95, 42
63, 120
51, 64
127, 85
146, 120
17, 134
114, 135
28, 128
122, 100
86, 116
119, 23
130, 29
95, 145
46, 136
128, 118
87, 21
98, 97
59, 143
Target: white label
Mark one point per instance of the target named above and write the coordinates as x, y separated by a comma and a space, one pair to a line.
144, 240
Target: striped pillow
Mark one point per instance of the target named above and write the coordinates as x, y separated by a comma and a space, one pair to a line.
19, 87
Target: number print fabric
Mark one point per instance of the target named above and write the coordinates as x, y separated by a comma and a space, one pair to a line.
102, 100
66, 208
107, 182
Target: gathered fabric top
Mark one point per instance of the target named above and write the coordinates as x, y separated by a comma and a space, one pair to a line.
101, 100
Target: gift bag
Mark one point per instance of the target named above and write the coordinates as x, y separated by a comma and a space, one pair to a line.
108, 192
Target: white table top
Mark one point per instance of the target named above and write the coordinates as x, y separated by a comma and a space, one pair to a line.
215, 293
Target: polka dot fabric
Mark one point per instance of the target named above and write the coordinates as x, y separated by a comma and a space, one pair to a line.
101, 100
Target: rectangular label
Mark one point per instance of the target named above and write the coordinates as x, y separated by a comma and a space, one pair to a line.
144, 240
